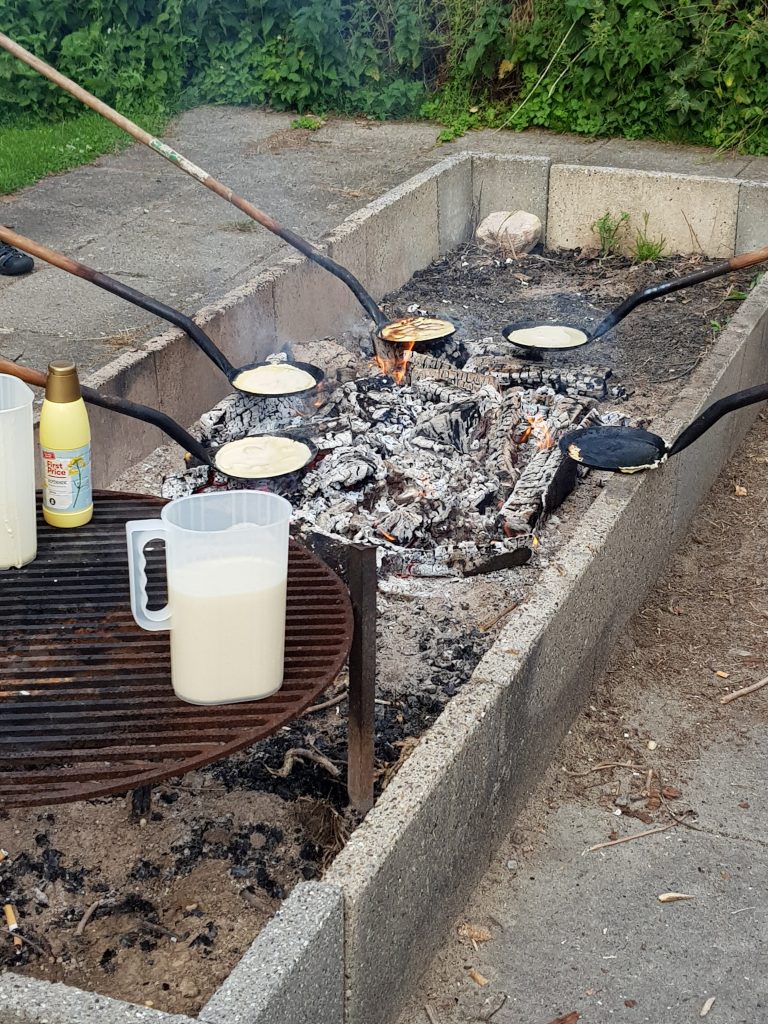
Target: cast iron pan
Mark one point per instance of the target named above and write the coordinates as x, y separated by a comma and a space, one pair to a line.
631, 450
746, 259
173, 316
160, 420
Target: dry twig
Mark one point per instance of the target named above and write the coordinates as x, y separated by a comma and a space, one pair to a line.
490, 623
744, 691
636, 835
604, 767
488, 1015
303, 754
431, 1014
331, 702
87, 916
158, 929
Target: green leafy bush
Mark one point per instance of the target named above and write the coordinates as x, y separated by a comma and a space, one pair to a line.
693, 70
669, 69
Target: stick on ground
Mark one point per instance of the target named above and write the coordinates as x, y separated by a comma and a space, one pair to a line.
744, 691
628, 839
87, 917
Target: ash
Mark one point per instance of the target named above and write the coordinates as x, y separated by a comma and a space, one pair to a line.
448, 473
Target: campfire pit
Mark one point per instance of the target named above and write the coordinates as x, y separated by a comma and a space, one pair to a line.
446, 470
452, 625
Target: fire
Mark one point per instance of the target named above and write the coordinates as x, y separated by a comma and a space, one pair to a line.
396, 366
538, 429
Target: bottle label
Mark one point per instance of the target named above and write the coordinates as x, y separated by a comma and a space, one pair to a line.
67, 479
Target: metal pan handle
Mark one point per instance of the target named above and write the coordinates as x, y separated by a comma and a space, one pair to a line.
716, 411
120, 405
123, 291
740, 262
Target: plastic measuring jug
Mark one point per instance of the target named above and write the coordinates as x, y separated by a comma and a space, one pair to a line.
226, 559
18, 525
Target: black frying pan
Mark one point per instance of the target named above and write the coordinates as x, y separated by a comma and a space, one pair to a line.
173, 316
746, 259
631, 450
158, 419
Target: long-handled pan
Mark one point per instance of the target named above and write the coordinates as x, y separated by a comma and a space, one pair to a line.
241, 378
532, 336
300, 450
630, 450
415, 330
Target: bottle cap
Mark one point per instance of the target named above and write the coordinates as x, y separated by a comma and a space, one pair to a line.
62, 384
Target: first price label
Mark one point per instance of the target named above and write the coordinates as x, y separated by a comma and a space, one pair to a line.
67, 479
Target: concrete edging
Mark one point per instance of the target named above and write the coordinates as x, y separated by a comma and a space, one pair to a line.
407, 871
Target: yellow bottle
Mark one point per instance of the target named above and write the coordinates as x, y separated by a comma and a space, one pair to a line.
65, 442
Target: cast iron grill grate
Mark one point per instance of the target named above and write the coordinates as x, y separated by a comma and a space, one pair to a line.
86, 705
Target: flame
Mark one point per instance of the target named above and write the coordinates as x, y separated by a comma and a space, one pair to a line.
537, 427
396, 366
388, 536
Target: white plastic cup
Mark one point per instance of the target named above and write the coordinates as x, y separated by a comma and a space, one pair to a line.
18, 522
226, 558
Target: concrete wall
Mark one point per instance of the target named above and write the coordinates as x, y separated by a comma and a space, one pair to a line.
385, 242
294, 971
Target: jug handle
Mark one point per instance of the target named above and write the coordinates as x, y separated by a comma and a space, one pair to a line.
139, 533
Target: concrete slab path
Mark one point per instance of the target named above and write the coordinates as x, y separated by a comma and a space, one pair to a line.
138, 219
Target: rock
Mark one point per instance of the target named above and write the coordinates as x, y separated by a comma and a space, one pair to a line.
188, 988
516, 233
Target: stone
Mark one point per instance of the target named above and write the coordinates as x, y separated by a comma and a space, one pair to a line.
515, 233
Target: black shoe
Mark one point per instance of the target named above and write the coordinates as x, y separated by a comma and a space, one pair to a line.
13, 262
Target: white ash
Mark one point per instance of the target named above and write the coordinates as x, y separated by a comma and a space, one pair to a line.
444, 474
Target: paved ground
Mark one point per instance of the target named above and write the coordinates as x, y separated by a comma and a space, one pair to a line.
571, 930
136, 218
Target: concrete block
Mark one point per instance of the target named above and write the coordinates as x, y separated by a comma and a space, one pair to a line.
115, 438
510, 183
187, 381
347, 245
29, 1001
693, 214
402, 233
738, 360
242, 324
294, 972
750, 326
310, 303
454, 202
752, 224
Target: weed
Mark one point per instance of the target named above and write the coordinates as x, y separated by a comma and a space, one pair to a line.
609, 230
310, 122
646, 249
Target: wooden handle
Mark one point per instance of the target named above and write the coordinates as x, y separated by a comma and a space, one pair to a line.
29, 376
123, 291
42, 252
180, 161
749, 259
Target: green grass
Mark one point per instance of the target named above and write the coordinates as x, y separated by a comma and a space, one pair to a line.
28, 154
